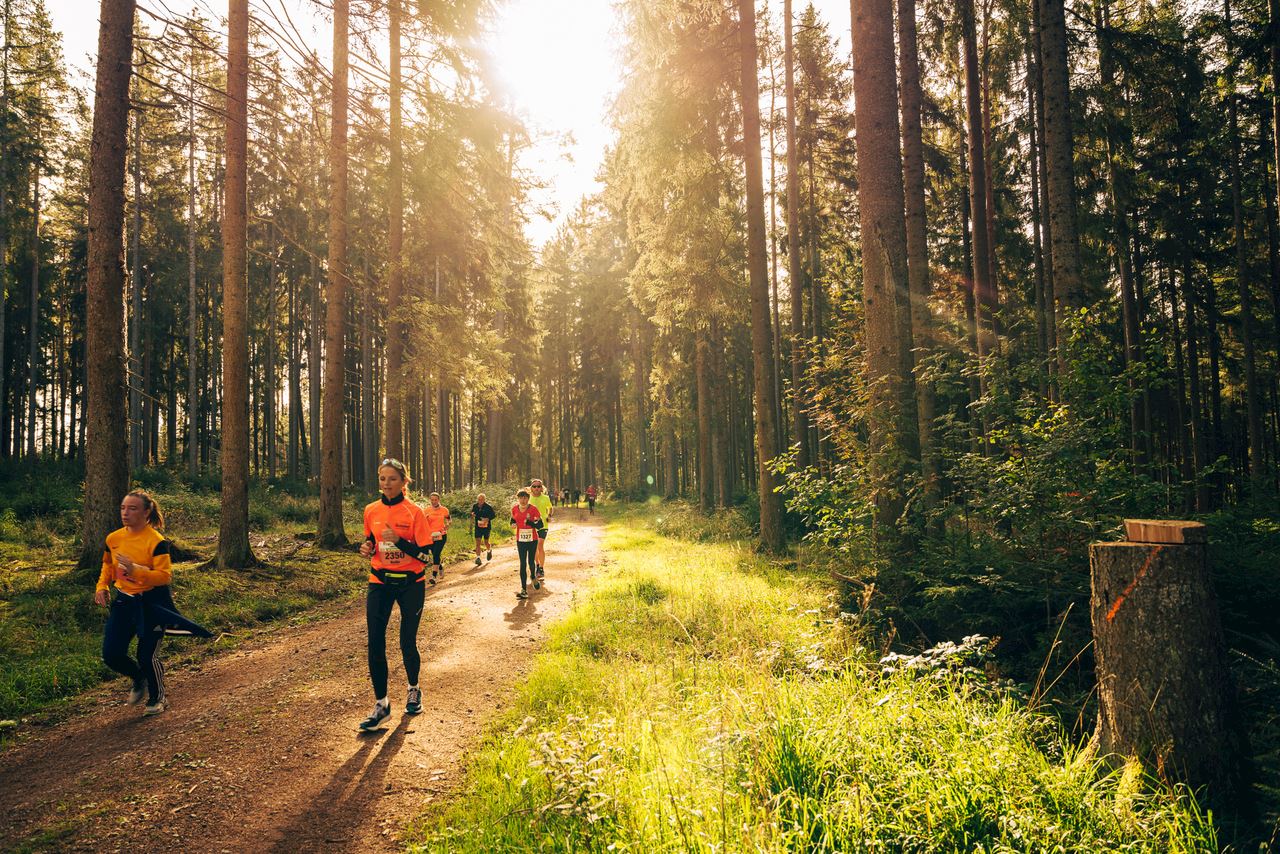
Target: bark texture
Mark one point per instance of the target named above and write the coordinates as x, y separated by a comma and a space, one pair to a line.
330, 530
106, 440
1164, 694
758, 271
233, 527
884, 253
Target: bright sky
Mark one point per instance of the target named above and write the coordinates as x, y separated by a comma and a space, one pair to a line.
557, 58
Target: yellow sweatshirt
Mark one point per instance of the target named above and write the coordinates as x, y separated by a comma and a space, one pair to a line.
149, 551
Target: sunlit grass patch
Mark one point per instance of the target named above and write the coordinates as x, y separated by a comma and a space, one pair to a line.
701, 698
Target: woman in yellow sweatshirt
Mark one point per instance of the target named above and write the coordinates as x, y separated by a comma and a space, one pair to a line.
136, 560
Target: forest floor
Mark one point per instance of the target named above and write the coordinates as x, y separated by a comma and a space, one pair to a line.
259, 748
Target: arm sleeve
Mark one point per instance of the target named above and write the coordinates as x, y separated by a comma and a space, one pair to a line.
419, 546
161, 571
108, 569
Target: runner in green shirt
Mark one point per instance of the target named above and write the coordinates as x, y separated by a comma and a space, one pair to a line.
542, 501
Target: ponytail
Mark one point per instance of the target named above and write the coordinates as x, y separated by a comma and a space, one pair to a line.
154, 515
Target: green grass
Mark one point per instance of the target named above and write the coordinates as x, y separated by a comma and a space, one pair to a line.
51, 631
702, 698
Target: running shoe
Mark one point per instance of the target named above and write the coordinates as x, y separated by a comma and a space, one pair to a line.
542, 572
523, 594
380, 714
432, 579
489, 556
537, 583
413, 702
136, 694
153, 709
477, 560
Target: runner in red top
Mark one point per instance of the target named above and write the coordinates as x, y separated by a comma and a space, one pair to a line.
397, 543
591, 498
527, 521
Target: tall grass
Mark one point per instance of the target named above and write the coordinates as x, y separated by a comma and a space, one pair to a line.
702, 698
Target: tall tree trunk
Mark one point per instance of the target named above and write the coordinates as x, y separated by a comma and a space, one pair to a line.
701, 369
193, 400
107, 442
917, 239
368, 417
1037, 214
1060, 175
395, 260
795, 266
983, 285
33, 325
134, 321
1244, 285
884, 256
1046, 225
4, 210
269, 360
988, 187
331, 532
1120, 206
771, 538
315, 369
233, 528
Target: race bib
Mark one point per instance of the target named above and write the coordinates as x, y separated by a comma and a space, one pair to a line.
525, 535
482, 523
390, 553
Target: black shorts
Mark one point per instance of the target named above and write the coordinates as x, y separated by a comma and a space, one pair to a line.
482, 533
542, 534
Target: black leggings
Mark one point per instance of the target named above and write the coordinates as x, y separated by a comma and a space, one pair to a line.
123, 623
527, 551
377, 612
437, 549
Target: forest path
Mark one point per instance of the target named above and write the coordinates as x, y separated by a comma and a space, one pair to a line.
259, 749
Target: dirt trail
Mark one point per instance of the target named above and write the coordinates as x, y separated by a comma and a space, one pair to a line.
259, 751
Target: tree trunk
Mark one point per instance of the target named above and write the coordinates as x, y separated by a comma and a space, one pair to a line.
917, 239
795, 266
1164, 692
107, 443
983, 286
193, 401
1037, 215
4, 211
134, 321
315, 371
1046, 226
701, 368
1244, 286
33, 327
330, 531
233, 528
758, 270
368, 414
1060, 175
884, 255
1121, 204
395, 260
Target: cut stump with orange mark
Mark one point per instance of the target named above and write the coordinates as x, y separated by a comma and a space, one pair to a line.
1163, 689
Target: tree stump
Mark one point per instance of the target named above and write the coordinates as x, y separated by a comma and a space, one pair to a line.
1164, 693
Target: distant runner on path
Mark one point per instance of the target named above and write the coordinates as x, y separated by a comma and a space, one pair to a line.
483, 514
398, 543
136, 559
526, 519
591, 498
540, 500
438, 525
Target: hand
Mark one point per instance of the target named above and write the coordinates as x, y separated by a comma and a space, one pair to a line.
102, 597
388, 535
124, 562
366, 549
